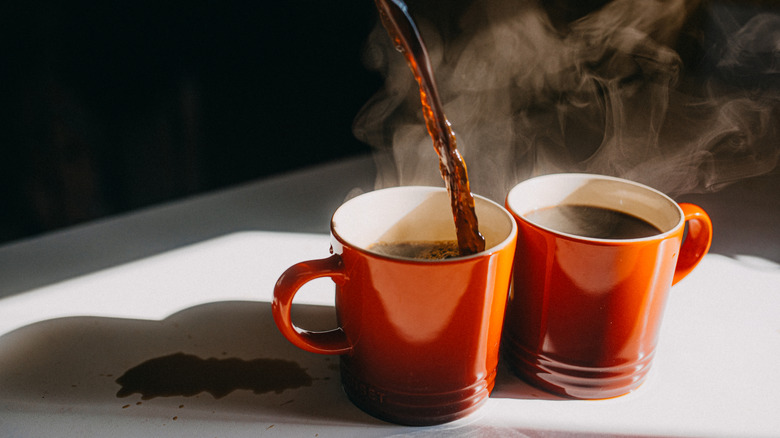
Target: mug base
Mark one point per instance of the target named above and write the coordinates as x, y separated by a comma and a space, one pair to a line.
416, 409
577, 382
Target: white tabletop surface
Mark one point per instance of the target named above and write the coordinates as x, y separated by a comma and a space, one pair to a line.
80, 307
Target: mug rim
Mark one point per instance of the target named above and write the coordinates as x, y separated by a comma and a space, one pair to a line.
679, 223
339, 239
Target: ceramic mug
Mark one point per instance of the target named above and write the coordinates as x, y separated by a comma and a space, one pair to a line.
590, 284
419, 339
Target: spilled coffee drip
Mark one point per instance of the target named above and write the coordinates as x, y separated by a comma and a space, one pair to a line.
408, 41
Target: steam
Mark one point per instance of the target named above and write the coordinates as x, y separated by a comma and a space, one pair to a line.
680, 95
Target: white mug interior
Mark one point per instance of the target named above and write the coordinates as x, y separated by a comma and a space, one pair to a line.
414, 213
592, 190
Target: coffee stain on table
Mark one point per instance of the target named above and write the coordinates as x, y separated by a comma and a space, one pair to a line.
187, 375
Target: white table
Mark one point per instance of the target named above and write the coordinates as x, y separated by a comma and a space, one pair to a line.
80, 307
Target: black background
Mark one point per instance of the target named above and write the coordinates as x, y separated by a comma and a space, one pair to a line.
106, 107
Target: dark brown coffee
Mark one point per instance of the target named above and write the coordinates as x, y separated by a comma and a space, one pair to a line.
595, 222
435, 250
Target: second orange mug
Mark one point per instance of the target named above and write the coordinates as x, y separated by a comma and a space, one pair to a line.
596, 258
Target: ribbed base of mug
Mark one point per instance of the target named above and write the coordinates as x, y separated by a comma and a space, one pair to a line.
416, 409
575, 381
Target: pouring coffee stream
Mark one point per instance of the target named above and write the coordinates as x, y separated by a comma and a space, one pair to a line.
407, 40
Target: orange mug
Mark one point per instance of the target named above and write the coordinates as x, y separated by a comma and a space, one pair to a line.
418, 339
596, 258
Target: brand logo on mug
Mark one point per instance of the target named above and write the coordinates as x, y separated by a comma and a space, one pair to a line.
362, 389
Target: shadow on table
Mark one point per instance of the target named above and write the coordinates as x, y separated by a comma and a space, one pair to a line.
217, 359
221, 361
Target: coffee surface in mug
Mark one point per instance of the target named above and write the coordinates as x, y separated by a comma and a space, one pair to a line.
424, 250
594, 222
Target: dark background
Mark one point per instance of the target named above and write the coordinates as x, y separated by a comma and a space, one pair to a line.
106, 107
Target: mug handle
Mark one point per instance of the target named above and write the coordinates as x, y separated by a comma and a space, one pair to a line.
696, 243
325, 342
